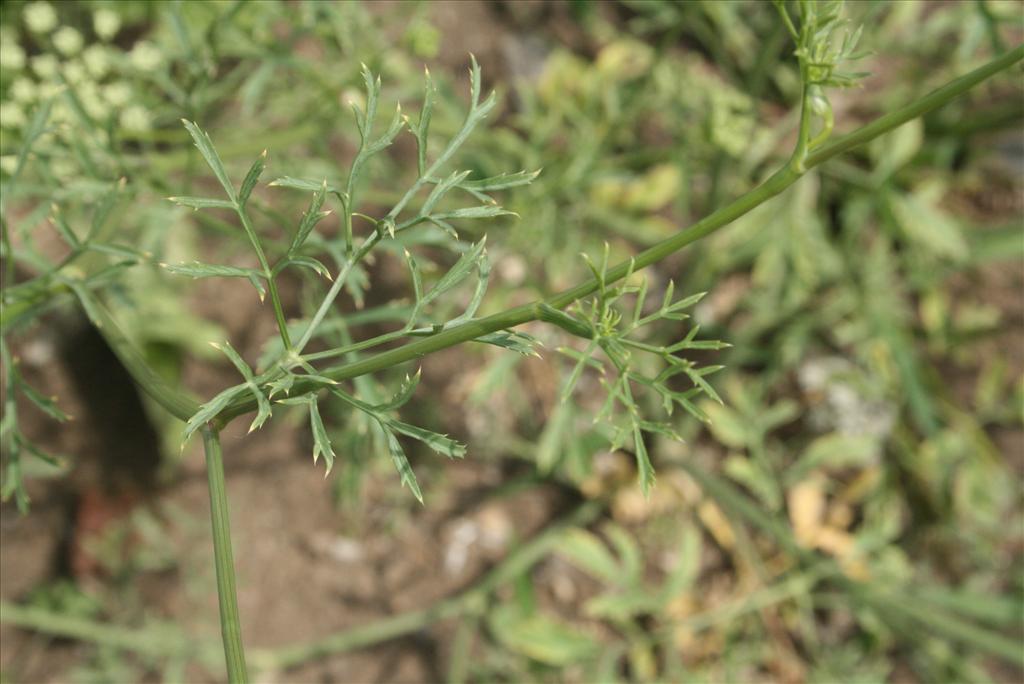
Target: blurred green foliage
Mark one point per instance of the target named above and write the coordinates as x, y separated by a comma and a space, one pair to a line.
871, 397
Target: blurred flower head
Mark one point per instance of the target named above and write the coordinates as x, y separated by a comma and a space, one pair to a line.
9, 164
96, 60
76, 73
12, 116
94, 105
12, 56
24, 90
45, 66
146, 56
136, 118
106, 23
118, 93
68, 41
40, 17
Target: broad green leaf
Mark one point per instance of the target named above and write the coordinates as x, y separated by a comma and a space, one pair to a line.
205, 145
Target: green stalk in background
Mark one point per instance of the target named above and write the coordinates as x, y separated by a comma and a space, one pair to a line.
230, 624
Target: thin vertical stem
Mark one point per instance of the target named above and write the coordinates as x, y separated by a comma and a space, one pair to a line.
336, 286
230, 626
275, 299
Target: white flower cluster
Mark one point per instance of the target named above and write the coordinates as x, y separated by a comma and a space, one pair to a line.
91, 70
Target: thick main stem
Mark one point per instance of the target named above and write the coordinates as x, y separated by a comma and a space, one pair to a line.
230, 625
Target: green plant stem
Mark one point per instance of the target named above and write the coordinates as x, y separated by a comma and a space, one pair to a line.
332, 294
157, 641
275, 299
230, 625
774, 185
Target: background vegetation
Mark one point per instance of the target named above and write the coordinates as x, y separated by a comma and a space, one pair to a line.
852, 511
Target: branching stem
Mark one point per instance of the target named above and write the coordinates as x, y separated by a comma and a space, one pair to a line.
332, 294
470, 330
771, 187
275, 299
